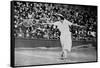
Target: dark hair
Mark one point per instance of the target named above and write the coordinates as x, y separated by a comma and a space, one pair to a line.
56, 16
62, 18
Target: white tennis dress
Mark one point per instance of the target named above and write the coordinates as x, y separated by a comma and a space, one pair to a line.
65, 37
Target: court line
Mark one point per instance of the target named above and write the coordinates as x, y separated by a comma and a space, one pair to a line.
75, 47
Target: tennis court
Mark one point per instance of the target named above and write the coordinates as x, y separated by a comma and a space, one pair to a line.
43, 55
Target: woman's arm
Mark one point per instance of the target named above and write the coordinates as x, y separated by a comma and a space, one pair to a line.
78, 25
48, 23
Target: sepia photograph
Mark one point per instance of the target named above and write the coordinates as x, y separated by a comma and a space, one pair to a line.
52, 33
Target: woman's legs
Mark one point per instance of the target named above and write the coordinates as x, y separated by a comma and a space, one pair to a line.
64, 53
66, 49
66, 44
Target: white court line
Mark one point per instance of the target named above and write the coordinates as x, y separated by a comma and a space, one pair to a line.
75, 47
39, 48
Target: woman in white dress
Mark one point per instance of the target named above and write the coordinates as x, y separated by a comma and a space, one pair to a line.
65, 37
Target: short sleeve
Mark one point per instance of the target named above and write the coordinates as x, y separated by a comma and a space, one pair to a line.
68, 22
56, 23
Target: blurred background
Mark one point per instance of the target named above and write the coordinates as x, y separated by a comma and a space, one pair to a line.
28, 19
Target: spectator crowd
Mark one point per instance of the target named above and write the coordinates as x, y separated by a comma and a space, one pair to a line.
29, 16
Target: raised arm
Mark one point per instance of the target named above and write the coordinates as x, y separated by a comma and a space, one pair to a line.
78, 25
48, 23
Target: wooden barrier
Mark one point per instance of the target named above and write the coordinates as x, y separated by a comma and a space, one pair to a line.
19, 42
